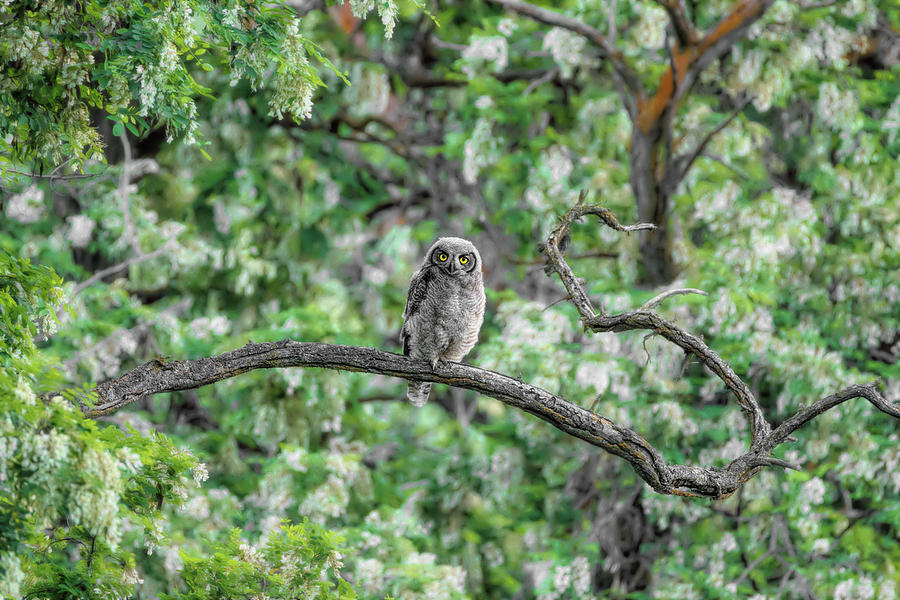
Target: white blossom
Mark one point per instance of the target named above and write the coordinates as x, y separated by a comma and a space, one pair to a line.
26, 206
80, 229
483, 51
566, 48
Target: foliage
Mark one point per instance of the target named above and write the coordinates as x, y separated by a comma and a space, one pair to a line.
135, 61
292, 564
311, 232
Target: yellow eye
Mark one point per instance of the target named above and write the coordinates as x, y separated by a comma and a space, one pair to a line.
442, 257
463, 260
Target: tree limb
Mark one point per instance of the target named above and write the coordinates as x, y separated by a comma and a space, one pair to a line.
692, 59
684, 29
134, 260
645, 319
156, 377
627, 81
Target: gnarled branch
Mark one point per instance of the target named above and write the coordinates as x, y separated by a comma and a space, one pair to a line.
156, 377
160, 376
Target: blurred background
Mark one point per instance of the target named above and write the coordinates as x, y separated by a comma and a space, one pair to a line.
246, 222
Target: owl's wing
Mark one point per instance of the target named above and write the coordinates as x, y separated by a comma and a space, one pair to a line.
418, 290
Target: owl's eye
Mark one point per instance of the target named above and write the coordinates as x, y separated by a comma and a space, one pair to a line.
463, 260
442, 257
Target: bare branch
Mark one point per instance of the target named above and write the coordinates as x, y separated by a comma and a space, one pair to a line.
627, 81
655, 301
158, 376
805, 415
124, 201
548, 76
134, 260
52, 176
612, 22
644, 319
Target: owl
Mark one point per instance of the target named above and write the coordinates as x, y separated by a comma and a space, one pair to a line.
444, 308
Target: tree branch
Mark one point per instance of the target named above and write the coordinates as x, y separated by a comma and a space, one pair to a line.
682, 163
156, 377
691, 60
134, 260
684, 29
645, 319
160, 376
627, 81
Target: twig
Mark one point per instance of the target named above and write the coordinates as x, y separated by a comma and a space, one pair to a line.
655, 301
611, 19
134, 260
122, 191
52, 177
684, 162
548, 76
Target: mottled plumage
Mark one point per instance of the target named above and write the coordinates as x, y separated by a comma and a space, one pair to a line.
444, 308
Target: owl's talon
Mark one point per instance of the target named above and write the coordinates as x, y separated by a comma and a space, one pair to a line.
434, 364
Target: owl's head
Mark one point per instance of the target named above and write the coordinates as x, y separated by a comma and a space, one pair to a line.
455, 256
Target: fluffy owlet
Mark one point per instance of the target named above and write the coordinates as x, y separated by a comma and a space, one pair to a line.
444, 308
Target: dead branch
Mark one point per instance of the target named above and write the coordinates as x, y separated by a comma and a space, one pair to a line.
657, 300
158, 376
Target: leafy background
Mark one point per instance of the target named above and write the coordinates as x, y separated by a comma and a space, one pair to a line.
235, 213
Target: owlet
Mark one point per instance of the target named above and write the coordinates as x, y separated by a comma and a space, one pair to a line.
444, 308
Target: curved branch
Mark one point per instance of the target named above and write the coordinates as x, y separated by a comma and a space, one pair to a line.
805, 415
645, 319
156, 377
655, 301
627, 81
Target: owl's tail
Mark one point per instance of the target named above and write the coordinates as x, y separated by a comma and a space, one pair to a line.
417, 393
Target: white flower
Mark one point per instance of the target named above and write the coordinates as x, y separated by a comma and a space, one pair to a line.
506, 26
593, 374
130, 576
566, 48
480, 150
80, 229
370, 574
482, 50
27, 206
200, 473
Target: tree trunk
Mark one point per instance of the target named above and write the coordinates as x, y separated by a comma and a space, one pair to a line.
652, 199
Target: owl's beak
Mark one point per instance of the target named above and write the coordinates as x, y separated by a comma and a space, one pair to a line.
453, 268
